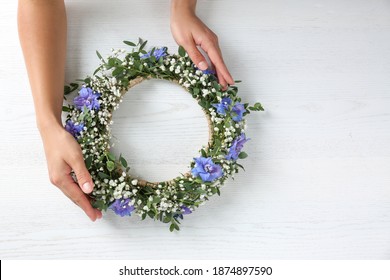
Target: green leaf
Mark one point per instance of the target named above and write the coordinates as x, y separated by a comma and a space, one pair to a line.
111, 156
199, 180
100, 56
125, 82
182, 51
216, 86
97, 69
257, 107
242, 155
99, 204
103, 175
196, 91
167, 218
129, 43
237, 81
65, 109
123, 162
172, 227
110, 165
143, 45
239, 165
117, 71
88, 162
202, 103
151, 214
72, 87
111, 62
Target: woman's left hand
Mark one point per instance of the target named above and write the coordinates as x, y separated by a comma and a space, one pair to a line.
189, 32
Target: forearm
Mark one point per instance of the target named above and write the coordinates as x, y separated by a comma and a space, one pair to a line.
180, 6
42, 33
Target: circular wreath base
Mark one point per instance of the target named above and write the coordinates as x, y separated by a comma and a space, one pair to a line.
90, 116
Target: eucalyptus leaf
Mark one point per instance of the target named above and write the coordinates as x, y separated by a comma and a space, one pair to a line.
129, 43
103, 175
123, 162
88, 162
110, 165
100, 56
181, 51
242, 155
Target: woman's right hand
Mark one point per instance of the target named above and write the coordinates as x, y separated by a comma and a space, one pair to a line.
63, 154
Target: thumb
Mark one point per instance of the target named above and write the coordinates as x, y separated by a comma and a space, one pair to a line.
83, 177
196, 56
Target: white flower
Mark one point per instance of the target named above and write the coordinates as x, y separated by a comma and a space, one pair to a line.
134, 182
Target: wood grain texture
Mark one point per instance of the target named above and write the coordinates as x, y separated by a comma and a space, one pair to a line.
317, 182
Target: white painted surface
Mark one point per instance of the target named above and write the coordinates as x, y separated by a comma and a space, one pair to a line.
317, 182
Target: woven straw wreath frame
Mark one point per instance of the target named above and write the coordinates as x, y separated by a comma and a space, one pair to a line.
115, 187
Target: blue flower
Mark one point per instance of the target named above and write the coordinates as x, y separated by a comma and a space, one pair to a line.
121, 207
185, 211
223, 106
87, 98
208, 72
238, 111
206, 169
158, 53
73, 128
237, 145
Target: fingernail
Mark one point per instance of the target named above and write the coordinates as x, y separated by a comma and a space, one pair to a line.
202, 65
87, 187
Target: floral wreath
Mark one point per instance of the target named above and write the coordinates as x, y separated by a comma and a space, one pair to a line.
90, 116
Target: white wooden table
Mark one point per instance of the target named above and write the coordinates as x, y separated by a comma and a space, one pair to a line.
317, 182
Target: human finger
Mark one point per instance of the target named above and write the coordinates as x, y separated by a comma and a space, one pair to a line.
215, 55
221, 80
72, 190
84, 179
197, 58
